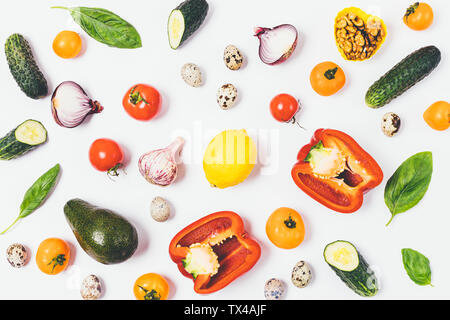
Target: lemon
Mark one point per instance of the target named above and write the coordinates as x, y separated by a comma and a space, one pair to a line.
229, 158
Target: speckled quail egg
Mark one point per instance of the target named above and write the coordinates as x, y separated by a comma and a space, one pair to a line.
91, 288
226, 96
159, 209
17, 255
192, 75
301, 274
390, 124
233, 58
274, 289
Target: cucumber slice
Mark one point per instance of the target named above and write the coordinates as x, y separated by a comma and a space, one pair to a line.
176, 28
22, 139
31, 132
184, 20
342, 255
351, 268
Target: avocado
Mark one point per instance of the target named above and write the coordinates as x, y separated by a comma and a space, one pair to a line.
23, 67
103, 234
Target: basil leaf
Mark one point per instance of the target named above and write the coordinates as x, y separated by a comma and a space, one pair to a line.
105, 27
409, 183
417, 266
37, 193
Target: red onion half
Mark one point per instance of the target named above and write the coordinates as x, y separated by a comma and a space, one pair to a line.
71, 105
276, 44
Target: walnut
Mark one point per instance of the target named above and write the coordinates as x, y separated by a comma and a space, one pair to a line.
359, 39
342, 23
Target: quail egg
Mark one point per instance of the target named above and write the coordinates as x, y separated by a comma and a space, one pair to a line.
390, 124
226, 96
192, 75
301, 274
91, 288
274, 289
233, 58
17, 255
160, 209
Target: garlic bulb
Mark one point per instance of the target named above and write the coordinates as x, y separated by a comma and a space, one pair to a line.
159, 166
71, 105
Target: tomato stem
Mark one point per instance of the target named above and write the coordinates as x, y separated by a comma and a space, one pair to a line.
411, 10
290, 223
330, 73
113, 171
297, 123
58, 260
136, 97
150, 295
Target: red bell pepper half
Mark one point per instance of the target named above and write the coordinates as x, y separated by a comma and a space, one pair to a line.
334, 170
214, 251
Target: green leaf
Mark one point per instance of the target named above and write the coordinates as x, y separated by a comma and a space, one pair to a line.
106, 27
37, 193
417, 266
409, 183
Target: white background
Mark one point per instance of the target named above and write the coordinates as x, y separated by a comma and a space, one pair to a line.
106, 73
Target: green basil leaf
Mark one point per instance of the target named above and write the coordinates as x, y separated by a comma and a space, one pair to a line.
409, 183
106, 27
417, 266
38, 192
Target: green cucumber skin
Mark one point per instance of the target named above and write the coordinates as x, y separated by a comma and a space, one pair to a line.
361, 280
23, 67
194, 13
403, 76
11, 148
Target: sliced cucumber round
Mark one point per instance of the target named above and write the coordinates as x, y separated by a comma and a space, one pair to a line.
175, 28
342, 255
31, 132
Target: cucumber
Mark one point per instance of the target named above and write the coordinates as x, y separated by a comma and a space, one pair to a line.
22, 139
184, 20
403, 76
23, 67
351, 267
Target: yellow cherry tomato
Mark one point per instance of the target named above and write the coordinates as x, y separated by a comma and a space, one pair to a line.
327, 78
53, 256
438, 115
285, 228
151, 286
67, 44
418, 16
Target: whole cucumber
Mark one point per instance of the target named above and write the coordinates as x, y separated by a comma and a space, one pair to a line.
23, 67
403, 76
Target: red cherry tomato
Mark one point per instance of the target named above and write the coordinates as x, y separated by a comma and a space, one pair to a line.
284, 107
106, 155
142, 102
